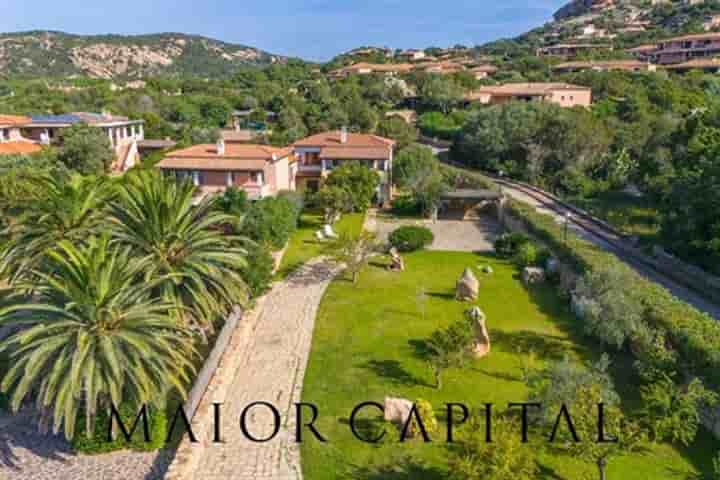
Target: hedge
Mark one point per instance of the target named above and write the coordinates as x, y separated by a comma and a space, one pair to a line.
411, 238
694, 335
98, 442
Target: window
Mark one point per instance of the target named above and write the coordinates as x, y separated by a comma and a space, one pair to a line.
259, 178
381, 165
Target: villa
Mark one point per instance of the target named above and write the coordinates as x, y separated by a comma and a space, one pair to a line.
621, 65
562, 94
483, 71
11, 140
570, 50
123, 133
680, 49
390, 69
260, 170
318, 154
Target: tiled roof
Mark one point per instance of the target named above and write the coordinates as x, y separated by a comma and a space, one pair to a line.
13, 120
526, 89
237, 157
696, 63
332, 139
355, 153
19, 148
606, 64
484, 68
697, 36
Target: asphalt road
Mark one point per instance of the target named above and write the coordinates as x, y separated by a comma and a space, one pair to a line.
557, 211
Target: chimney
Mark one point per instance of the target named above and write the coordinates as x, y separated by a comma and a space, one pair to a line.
221, 147
343, 135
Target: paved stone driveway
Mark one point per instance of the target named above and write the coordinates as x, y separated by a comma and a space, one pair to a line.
272, 370
458, 235
27, 455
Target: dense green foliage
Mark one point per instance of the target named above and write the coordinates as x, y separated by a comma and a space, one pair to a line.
86, 150
271, 221
417, 171
678, 339
411, 238
358, 181
112, 284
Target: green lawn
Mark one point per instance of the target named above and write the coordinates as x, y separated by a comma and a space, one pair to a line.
303, 245
633, 215
368, 344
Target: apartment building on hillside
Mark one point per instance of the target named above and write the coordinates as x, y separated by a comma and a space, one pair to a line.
680, 49
562, 94
123, 133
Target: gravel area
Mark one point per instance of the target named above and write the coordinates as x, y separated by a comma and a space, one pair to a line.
458, 235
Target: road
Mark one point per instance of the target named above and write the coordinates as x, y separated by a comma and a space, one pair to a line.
607, 240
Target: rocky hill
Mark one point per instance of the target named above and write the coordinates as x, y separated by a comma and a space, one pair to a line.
621, 23
47, 53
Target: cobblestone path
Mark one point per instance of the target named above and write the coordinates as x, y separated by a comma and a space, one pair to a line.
272, 370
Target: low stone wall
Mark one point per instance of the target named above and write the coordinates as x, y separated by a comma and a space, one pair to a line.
683, 272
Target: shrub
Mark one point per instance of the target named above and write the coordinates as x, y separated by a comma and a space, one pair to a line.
233, 201
98, 443
508, 244
405, 205
294, 197
526, 255
271, 221
411, 238
693, 334
427, 415
259, 270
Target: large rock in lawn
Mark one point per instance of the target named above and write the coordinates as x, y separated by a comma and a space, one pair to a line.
397, 410
481, 347
532, 275
467, 287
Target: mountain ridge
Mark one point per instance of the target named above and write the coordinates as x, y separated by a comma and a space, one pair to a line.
55, 53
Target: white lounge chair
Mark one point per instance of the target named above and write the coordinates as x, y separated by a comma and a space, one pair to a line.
328, 232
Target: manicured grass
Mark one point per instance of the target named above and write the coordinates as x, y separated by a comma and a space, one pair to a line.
633, 215
368, 344
303, 245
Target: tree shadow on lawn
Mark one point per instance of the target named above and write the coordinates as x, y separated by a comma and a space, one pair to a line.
405, 468
548, 347
393, 371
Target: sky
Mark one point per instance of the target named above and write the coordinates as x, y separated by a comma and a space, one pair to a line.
310, 29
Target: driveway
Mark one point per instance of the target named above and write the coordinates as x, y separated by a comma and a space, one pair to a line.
458, 235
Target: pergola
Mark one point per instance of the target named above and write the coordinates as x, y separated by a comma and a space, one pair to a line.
465, 201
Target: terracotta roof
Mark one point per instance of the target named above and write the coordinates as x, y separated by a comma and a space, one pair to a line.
697, 63
697, 36
355, 153
237, 157
14, 120
607, 64
376, 67
643, 48
510, 89
332, 139
484, 68
19, 148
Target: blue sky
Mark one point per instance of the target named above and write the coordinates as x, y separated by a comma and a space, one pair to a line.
312, 29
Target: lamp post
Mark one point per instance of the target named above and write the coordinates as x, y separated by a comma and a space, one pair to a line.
568, 216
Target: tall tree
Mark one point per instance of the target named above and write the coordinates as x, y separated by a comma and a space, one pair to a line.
58, 209
93, 334
183, 245
86, 150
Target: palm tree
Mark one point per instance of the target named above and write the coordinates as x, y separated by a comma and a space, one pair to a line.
59, 209
92, 333
182, 244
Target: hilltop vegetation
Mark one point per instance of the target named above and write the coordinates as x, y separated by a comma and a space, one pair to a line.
58, 54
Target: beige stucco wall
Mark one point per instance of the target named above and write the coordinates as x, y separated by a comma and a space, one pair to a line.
571, 98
